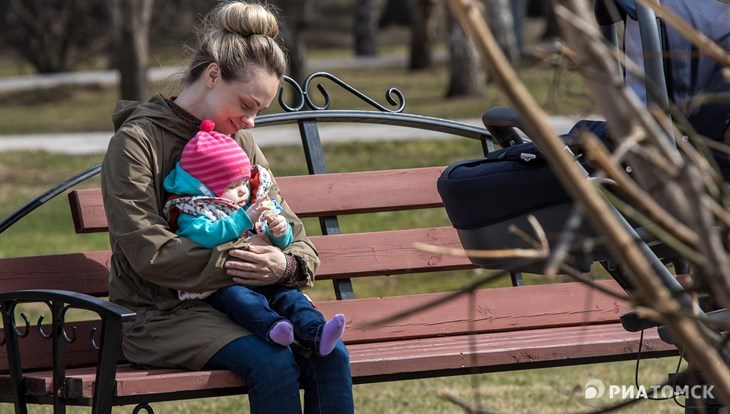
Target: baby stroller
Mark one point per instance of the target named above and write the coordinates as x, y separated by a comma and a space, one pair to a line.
525, 185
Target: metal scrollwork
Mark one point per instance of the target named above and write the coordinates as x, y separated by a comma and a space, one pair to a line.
2, 342
143, 406
9, 312
92, 340
299, 94
394, 96
40, 329
63, 327
3, 309
15, 326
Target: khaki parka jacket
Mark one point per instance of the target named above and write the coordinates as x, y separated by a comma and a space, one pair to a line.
149, 262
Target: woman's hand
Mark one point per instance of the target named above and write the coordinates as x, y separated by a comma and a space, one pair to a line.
262, 264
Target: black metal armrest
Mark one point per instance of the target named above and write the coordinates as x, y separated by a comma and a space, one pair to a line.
103, 308
59, 301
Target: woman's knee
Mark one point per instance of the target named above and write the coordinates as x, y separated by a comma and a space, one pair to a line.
337, 362
339, 354
278, 368
282, 365
257, 361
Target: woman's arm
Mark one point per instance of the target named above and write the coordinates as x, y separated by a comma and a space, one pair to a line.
301, 251
132, 175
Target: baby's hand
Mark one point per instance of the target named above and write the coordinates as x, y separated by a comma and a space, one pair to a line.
277, 225
255, 210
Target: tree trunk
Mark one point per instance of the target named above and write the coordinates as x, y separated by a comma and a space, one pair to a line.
551, 23
134, 48
294, 18
115, 42
366, 27
519, 14
397, 12
501, 23
466, 75
422, 33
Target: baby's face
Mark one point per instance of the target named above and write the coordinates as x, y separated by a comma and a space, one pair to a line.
238, 192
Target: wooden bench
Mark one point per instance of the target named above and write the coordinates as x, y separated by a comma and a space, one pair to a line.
495, 329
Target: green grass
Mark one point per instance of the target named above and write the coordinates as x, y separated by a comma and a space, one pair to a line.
88, 108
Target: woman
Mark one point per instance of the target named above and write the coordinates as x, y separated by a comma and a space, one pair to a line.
235, 73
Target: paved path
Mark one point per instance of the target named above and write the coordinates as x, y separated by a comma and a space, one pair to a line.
111, 77
96, 142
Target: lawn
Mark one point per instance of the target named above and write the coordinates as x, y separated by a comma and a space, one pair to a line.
88, 108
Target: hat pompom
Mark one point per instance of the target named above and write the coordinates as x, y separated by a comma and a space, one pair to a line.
207, 125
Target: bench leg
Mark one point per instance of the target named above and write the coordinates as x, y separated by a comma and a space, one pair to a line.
106, 369
516, 278
10, 340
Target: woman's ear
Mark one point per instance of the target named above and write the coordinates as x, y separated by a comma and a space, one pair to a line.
212, 75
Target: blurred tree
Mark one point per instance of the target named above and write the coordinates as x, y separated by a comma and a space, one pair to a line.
500, 18
173, 29
175, 22
518, 9
294, 16
422, 33
133, 47
367, 13
466, 76
54, 35
544, 9
397, 12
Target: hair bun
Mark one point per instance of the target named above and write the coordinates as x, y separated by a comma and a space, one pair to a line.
247, 19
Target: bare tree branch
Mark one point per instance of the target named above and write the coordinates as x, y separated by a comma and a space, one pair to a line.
620, 109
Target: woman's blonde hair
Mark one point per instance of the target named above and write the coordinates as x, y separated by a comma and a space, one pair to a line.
239, 37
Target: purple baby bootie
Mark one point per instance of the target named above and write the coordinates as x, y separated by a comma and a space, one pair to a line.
282, 333
331, 333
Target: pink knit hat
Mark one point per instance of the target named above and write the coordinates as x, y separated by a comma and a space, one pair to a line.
215, 159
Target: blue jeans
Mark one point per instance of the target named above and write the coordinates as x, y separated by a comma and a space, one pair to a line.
275, 374
258, 309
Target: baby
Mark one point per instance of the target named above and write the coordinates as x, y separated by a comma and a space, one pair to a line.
219, 197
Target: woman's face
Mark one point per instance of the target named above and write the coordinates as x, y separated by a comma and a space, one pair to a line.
234, 104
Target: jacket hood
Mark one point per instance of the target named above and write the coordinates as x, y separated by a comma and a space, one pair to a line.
180, 182
155, 111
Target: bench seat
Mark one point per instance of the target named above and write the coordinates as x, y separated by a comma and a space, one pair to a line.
386, 361
494, 329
